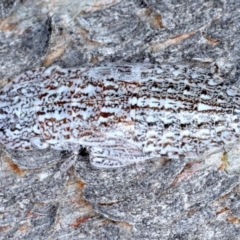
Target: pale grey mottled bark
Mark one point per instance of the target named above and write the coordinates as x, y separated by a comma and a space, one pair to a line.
155, 199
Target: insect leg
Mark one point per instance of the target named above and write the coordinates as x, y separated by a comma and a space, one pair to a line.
66, 165
112, 158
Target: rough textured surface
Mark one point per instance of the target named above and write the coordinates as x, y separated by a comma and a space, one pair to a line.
6, 6
28, 45
155, 199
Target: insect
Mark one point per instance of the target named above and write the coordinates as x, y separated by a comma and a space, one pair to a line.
121, 113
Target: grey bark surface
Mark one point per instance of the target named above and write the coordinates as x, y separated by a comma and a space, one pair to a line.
156, 199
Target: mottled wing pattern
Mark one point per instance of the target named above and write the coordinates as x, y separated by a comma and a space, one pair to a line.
139, 110
17, 110
79, 108
121, 113
185, 115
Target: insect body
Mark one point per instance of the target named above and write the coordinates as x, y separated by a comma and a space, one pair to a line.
121, 113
